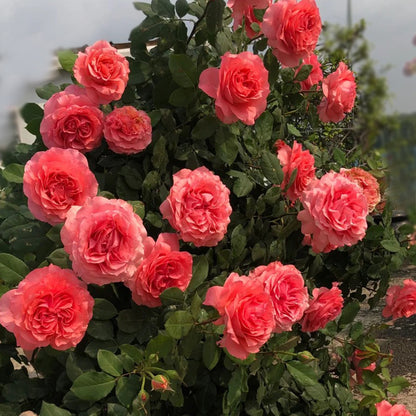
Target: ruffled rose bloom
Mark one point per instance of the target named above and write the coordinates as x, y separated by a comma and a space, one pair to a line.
315, 76
102, 71
198, 207
357, 356
384, 408
56, 180
292, 29
127, 130
164, 266
244, 9
339, 91
401, 300
286, 288
334, 214
50, 306
291, 159
246, 311
367, 182
72, 121
325, 306
240, 87
105, 240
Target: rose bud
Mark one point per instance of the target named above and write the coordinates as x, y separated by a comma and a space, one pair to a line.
160, 383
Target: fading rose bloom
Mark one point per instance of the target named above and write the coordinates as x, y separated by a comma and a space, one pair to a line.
325, 306
339, 90
292, 30
72, 121
286, 288
367, 182
357, 356
163, 266
291, 159
315, 76
401, 300
240, 87
384, 408
127, 130
102, 71
54, 181
334, 214
105, 240
246, 311
198, 207
50, 306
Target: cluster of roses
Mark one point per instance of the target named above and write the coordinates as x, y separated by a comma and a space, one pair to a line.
240, 86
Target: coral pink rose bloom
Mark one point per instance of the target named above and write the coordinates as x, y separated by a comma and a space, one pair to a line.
246, 311
198, 207
367, 182
164, 266
49, 307
240, 87
334, 214
401, 300
339, 90
56, 180
286, 288
291, 159
315, 76
325, 306
384, 408
102, 71
105, 240
72, 121
127, 130
292, 29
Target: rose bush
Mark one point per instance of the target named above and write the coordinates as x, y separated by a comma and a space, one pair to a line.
187, 242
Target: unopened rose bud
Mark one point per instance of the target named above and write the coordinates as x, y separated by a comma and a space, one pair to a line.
153, 358
143, 396
305, 356
160, 383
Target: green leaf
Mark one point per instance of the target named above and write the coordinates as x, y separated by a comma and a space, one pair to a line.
172, 296
214, 15
200, 269
270, 166
391, 245
205, 127
59, 257
226, 145
163, 8
49, 409
146, 8
242, 186
12, 269
238, 240
183, 70
303, 73
210, 353
397, 384
264, 127
182, 97
13, 173
339, 156
31, 111
67, 60
115, 409
109, 363
317, 392
46, 91
293, 130
179, 324
127, 389
78, 364
349, 313
182, 7
162, 345
93, 385
133, 352
102, 330
104, 309
302, 373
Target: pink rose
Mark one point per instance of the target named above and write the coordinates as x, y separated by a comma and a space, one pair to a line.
240, 87
50, 306
163, 266
72, 121
105, 240
244, 9
315, 76
286, 288
367, 182
246, 311
292, 29
357, 356
291, 159
56, 180
334, 214
325, 306
127, 130
102, 71
198, 207
401, 300
384, 408
339, 90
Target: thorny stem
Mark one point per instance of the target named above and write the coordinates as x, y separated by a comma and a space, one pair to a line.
197, 23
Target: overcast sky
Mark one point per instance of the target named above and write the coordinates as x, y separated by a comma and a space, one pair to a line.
32, 30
